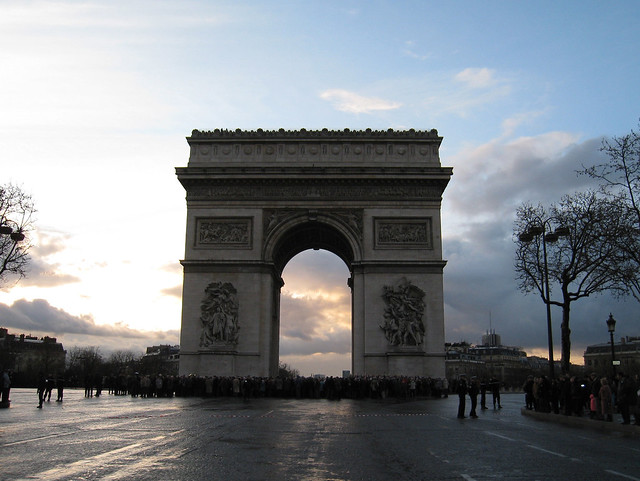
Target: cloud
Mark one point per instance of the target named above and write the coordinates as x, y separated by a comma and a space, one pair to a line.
477, 78
409, 51
175, 291
41, 272
351, 102
315, 306
41, 318
489, 182
495, 177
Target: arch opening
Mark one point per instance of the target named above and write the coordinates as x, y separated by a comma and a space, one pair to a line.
315, 314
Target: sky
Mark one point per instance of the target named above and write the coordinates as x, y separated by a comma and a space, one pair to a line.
96, 99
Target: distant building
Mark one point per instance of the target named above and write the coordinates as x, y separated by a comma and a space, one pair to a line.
597, 357
460, 360
509, 364
162, 359
26, 356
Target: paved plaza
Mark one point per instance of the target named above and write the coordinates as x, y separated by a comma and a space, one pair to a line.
119, 437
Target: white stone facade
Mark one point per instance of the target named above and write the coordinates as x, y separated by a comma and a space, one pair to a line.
256, 199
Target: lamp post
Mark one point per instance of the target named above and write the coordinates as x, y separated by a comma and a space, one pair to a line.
541, 230
611, 326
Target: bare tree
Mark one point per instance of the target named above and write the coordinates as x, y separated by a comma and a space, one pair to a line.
619, 178
16, 224
284, 370
83, 362
582, 254
121, 360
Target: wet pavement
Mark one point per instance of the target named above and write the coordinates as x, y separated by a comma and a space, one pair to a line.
119, 437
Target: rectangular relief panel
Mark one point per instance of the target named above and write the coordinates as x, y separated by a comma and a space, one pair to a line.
403, 233
224, 232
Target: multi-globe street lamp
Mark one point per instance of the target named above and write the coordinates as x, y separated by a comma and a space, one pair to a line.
547, 236
611, 326
15, 236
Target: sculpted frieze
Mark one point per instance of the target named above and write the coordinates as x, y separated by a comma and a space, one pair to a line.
219, 315
403, 233
313, 192
404, 309
221, 231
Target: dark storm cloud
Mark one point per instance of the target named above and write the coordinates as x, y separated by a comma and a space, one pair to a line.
494, 178
41, 317
478, 216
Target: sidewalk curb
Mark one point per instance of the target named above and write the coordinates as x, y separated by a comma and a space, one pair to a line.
583, 422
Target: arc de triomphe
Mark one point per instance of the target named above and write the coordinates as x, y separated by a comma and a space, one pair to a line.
255, 199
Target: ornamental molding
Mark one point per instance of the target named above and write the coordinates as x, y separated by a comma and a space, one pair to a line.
239, 134
313, 146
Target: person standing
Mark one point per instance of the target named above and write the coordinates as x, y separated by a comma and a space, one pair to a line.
627, 397
5, 383
60, 387
528, 392
494, 385
42, 387
606, 400
461, 389
474, 389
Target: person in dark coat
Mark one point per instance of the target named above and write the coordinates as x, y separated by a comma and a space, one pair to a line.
474, 389
461, 389
42, 387
627, 397
60, 386
494, 385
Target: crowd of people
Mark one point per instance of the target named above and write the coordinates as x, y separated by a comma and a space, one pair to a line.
333, 388
599, 397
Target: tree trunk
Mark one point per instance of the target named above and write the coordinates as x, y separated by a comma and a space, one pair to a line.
566, 338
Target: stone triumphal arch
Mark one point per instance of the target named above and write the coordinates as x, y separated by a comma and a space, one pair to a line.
255, 199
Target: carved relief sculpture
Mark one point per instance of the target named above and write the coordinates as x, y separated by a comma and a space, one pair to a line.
224, 232
403, 313
404, 233
219, 315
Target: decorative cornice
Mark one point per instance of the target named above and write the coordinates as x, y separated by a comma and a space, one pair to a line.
282, 134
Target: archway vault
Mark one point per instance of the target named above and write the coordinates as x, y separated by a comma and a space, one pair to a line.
299, 230
256, 199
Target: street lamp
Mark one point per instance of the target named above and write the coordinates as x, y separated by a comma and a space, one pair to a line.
611, 326
528, 236
15, 236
